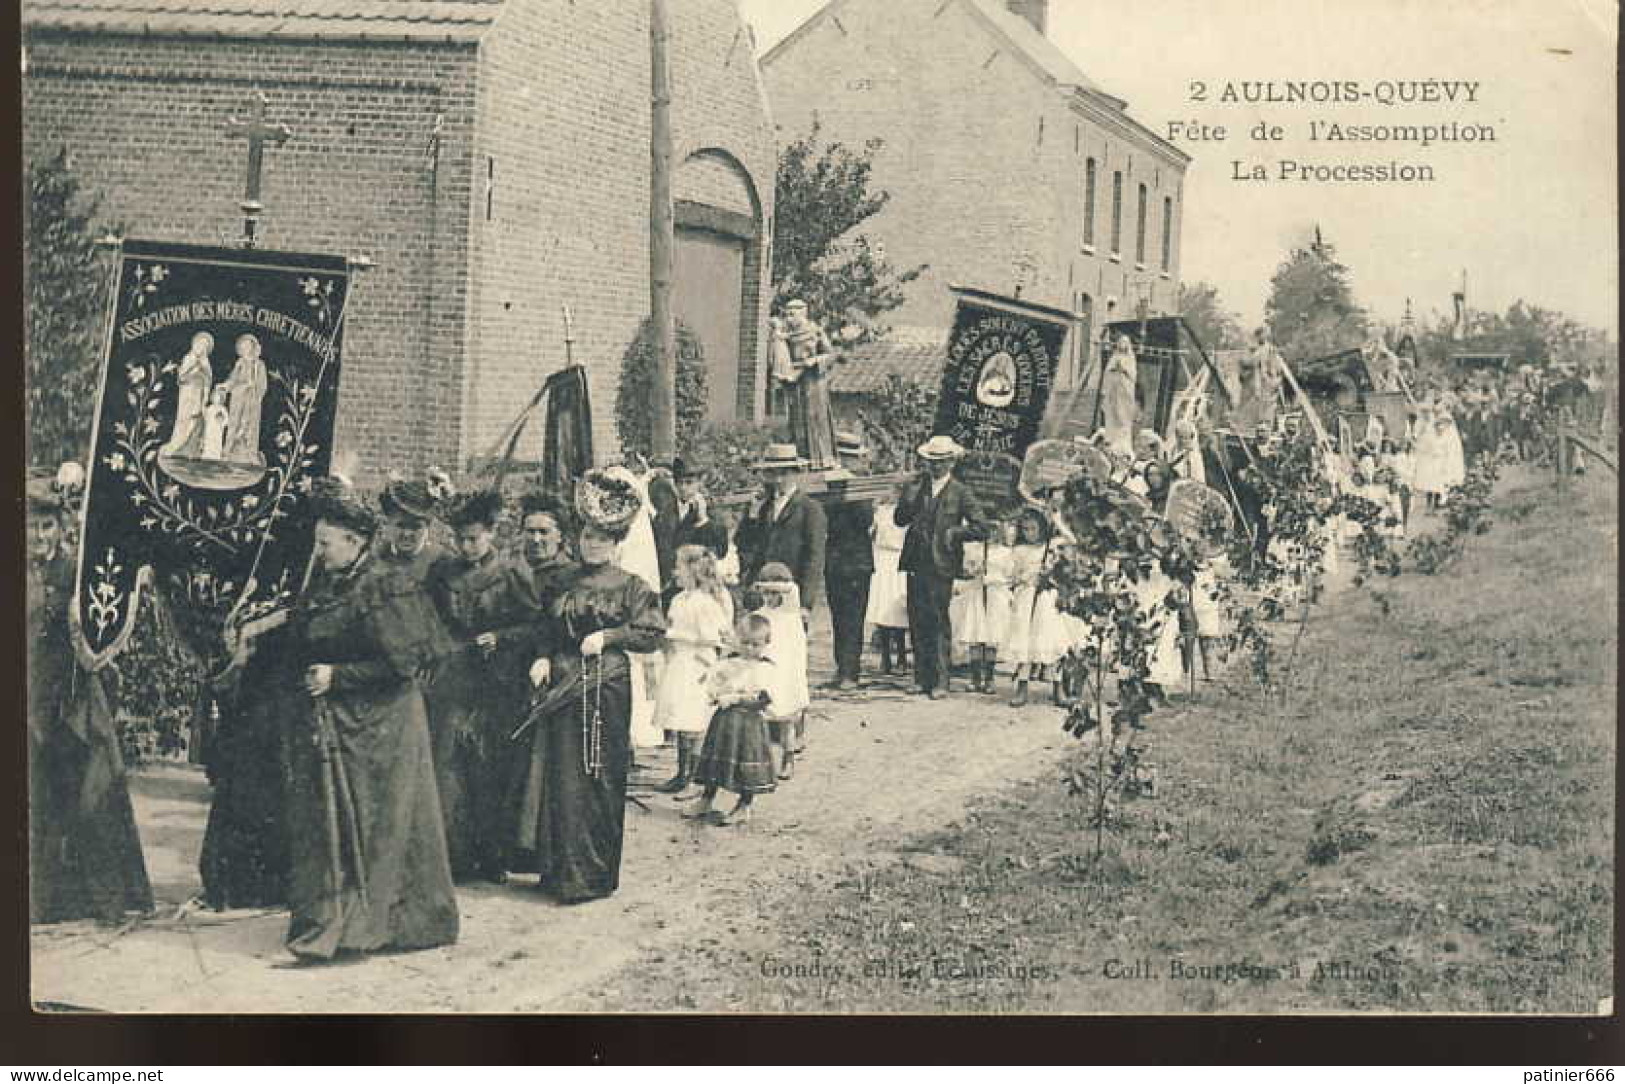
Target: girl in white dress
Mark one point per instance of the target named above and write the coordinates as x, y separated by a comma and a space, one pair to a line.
697, 623
1430, 473
1036, 634
1452, 457
1158, 600
984, 603
1210, 623
788, 692
888, 591
1403, 464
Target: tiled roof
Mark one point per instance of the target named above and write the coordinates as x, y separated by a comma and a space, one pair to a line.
1038, 48
391, 19
1015, 29
914, 353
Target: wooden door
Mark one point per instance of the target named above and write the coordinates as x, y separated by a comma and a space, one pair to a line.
707, 294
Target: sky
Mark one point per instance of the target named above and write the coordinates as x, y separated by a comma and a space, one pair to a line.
1531, 215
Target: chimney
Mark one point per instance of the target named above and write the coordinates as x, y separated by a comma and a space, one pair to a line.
1034, 11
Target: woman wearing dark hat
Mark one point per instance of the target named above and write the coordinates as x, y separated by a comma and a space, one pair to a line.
403, 535
583, 715
85, 854
369, 867
478, 695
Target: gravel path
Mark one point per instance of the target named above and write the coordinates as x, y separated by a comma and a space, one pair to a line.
883, 765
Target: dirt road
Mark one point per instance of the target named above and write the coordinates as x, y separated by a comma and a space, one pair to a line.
883, 765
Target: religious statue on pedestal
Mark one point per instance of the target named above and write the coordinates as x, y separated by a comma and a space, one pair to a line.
1118, 408
802, 356
1260, 384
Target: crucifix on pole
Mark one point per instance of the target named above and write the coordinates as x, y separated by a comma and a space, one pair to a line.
258, 131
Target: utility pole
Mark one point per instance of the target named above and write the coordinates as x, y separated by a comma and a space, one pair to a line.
662, 238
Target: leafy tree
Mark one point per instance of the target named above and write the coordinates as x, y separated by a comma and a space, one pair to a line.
900, 422
1311, 310
1527, 334
1216, 327
823, 194
634, 420
67, 298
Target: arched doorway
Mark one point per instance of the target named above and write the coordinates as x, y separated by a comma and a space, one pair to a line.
718, 276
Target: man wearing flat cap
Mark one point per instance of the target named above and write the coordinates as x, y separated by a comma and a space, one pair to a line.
940, 515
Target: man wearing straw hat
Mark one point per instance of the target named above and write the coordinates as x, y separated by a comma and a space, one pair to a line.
939, 513
785, 526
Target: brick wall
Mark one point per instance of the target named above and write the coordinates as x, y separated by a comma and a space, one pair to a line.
144, 120
983, 158
563, 132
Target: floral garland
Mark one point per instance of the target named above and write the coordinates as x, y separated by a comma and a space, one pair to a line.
169, 508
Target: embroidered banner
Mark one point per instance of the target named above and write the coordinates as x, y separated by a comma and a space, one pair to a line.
994, 479
1002, 356
218, 398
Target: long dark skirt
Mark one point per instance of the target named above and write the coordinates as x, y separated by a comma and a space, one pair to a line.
580, 817
735, 756
369, 855
244, 862
472, 710
85, 852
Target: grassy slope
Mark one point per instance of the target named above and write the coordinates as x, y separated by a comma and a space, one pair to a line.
1428, 826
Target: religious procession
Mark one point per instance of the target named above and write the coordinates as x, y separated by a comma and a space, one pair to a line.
623, 597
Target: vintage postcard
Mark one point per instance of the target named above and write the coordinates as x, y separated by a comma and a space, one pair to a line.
790, 507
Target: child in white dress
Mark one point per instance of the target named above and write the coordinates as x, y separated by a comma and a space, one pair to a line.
1210, 624
888, 591
1036, 634
697, 623
984, 603
787, 713
1398, 459
736, 755
1159, 601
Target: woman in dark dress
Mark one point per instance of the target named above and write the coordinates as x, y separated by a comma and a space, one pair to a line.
546, 527
85, 856
582, 719
369, 866
244, 861
479, 691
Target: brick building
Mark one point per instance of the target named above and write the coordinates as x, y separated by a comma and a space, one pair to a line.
491, 155
1008, 168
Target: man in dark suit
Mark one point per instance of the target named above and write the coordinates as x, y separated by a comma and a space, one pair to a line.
940, 515
786, 526
695, 527
686, 522
663, 517
849, 564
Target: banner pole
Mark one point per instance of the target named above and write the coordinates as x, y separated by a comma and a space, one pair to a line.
114, 244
